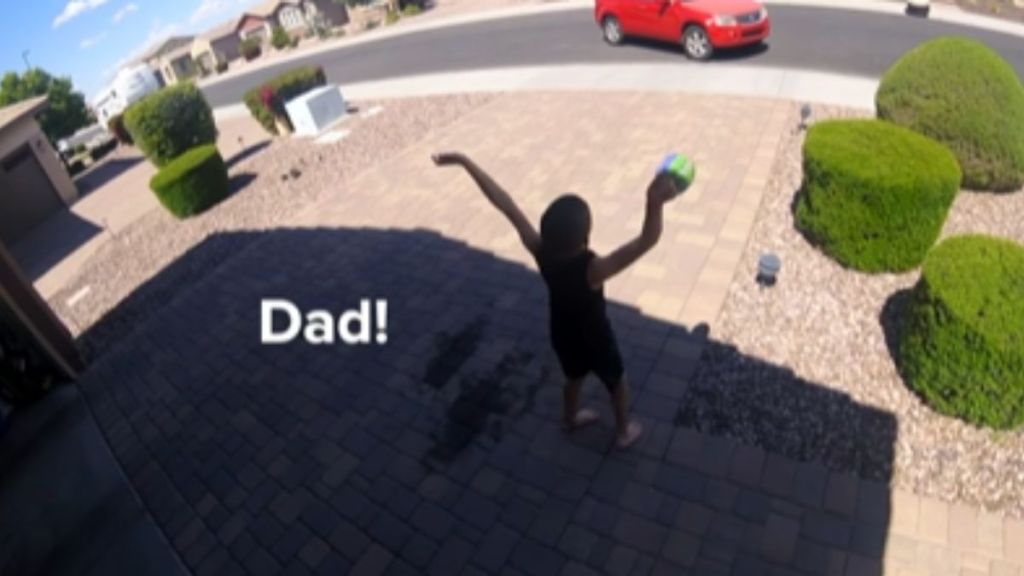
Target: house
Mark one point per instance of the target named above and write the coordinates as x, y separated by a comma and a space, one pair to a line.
33, 182
219, 45
222, 43
33, 185
297, 17
172, 59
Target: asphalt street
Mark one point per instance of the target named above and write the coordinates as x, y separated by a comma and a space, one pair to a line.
829, 40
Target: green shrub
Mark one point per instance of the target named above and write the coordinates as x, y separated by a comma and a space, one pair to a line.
80, 149
966, 96
116, 127
170, 121
222, 67
370, 25
250, 48
962, 345
392, 17
875, 195
266, 102
411, 10
279, 39
192, 183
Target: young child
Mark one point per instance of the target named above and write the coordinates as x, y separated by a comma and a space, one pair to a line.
581, 334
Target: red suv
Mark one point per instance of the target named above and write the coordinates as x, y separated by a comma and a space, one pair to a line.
700, 25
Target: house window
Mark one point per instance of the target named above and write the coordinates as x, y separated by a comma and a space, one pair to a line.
291, 18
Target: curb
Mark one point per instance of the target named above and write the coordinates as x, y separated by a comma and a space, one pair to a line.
731, 80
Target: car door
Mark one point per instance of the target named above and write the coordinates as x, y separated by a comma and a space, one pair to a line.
630, 15
658, 19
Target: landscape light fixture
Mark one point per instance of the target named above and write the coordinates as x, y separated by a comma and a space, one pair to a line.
768, 267
805, 115
919, 8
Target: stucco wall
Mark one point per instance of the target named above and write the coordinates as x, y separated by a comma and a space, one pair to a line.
27, 130
228, 48
336, 13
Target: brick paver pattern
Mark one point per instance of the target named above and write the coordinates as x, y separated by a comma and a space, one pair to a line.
440, 452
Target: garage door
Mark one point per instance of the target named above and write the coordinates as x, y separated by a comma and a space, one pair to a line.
26, 196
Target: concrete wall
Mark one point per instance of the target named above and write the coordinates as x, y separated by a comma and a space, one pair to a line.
27, 130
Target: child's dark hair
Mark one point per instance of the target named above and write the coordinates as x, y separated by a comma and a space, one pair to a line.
565, 225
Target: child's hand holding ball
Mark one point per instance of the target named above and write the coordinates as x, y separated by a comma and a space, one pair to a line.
662, 189
680, 169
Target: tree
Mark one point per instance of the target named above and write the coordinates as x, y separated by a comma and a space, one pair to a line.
67, 111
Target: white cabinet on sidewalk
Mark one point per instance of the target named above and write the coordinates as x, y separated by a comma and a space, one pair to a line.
316, 110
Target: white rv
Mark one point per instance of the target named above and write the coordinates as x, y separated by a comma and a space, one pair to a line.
129, 86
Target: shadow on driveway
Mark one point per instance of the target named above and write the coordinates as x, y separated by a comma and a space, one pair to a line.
442, 448
109, 170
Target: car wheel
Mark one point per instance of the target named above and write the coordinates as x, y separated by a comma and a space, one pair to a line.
612, 30
696, 43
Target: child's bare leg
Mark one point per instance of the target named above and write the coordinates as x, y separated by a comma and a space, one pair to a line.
572, 416
628, 431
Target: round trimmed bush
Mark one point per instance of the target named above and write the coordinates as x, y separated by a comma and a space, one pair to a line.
962, 347
963, 94
875, 195
171, 121
193, 182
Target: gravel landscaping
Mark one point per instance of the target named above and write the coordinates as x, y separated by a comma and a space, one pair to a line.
805, 368
270, 184
1008, 9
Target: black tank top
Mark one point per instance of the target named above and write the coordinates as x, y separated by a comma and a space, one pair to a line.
578, 315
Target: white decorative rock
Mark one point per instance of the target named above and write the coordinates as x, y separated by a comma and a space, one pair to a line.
315, 110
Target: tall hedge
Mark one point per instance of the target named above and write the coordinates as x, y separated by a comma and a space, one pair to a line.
171, 121
966, 96
267, 101
193, 182
875, 195
962, 347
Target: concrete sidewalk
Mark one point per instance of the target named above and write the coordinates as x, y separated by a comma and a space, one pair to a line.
728, 80
686, 78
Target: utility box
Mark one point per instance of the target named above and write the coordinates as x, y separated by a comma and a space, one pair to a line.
316, 110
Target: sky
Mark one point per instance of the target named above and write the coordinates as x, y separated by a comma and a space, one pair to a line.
89, 40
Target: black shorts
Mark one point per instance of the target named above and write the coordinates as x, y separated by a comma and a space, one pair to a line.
581, 358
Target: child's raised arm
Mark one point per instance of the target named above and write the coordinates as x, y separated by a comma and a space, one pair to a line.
602, 268
498, 197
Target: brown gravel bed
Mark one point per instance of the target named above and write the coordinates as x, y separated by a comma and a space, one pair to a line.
144, 255
1007, 9
805, 368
